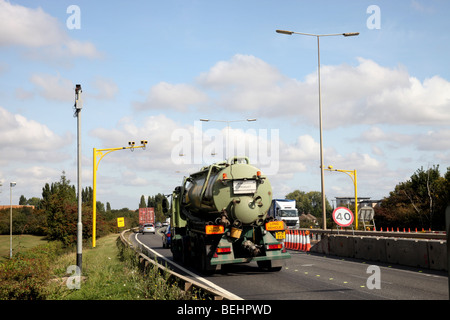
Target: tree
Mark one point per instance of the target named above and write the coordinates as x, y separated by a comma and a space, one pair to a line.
22, 200
87, 195
34, 201
310, 202
418, 202
60, 207
142, 203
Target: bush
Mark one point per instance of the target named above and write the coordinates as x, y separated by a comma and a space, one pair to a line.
25, 276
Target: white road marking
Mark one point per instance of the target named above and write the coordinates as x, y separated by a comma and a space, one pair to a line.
195, 276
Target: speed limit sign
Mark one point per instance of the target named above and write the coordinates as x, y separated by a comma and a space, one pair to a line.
343, 216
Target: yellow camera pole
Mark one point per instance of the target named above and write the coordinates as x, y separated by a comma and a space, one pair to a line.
101, 153
352, 174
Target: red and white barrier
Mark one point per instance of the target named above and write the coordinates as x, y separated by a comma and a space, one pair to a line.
298, 240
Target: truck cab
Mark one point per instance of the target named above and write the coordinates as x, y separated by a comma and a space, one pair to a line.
285, 210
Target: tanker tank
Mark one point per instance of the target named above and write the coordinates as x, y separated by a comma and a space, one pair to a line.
235, 191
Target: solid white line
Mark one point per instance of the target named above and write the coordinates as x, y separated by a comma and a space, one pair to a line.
197, 277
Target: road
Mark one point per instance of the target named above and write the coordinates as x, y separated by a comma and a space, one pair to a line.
308, 276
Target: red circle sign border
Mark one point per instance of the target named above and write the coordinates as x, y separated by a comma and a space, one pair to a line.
346, 209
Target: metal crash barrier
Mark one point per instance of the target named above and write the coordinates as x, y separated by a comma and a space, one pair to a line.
184, 283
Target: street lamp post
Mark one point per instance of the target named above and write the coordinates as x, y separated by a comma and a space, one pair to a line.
228, 129
78, 106
11, 185
352, 175
101, 153
348, 34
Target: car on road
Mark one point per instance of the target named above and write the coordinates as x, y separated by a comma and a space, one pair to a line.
148, 227
166, 238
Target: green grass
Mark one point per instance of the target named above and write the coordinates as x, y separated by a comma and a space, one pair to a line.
110, 272
113, 274
19, 243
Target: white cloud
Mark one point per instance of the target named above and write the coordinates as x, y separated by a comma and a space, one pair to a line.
21, 133
376, 134
416, 5
363, 94
54, 87
36, 29
177, 97
243, 71
24, 142
434, 140
372, 94
106, 89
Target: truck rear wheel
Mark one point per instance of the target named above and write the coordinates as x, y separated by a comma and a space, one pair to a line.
185, 251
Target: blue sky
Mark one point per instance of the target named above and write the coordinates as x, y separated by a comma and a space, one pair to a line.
151, 69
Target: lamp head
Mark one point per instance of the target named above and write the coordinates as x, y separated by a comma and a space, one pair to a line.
285, 32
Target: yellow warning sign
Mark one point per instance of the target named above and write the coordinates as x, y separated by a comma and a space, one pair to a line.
121, 222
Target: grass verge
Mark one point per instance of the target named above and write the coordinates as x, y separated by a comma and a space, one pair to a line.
110, 272
20, 242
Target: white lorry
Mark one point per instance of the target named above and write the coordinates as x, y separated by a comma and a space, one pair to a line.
285, 210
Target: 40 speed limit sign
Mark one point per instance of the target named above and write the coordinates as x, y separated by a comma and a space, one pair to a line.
343, 216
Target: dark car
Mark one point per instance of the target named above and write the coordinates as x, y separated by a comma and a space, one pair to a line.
166, 238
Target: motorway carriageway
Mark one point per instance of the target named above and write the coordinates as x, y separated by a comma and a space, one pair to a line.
310, 276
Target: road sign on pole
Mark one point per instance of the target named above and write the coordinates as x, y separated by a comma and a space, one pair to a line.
343, 216
120, 222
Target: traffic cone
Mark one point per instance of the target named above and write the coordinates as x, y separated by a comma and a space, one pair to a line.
297, 245
293, 240
288, 239
302, 241
308, 243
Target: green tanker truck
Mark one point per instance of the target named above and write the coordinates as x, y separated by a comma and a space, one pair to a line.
219, 216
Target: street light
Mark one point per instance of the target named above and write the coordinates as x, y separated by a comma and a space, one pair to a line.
11, 185
352, 175
348, 34
101, 153
78, 106
228, 128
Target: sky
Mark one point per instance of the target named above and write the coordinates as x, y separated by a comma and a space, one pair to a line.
150, 70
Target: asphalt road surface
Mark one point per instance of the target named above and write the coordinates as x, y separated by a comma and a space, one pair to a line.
309, 276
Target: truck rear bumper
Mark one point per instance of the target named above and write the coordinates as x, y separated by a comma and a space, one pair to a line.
228, 259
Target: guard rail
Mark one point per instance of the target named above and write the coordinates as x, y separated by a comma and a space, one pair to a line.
185, 283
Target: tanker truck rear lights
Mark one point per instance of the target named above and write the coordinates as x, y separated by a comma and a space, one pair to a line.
277, 246
214, 229
224, 176
223, 250
275, 226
